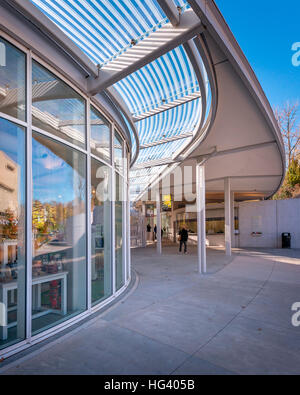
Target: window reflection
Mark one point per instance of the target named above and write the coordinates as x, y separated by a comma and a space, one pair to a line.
12, 81
56, 107
12, 239
118, 149
119, 232
59, 229
101, 231
100, 136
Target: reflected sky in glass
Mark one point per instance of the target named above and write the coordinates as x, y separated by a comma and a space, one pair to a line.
57, 181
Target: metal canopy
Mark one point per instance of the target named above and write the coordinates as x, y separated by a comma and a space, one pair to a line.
177, 76
163, 96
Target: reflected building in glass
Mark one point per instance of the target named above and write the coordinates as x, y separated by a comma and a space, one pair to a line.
63, 179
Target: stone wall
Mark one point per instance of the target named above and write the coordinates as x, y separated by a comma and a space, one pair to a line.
272, 218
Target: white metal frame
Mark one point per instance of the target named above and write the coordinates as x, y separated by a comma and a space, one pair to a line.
201, 233
29, 339
228, 215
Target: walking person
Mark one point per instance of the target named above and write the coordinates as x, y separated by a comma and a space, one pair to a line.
183, 238
155, 231
149, 232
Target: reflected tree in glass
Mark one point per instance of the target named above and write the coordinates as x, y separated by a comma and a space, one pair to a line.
12, 233
101, 231
59, 229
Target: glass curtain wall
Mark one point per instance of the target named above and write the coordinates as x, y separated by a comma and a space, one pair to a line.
100, 144
119, 210
57, 108
118, 153
58, 140
59, 232
101, 231
12, 233
100, 136
119, 232
12, 195
12, 81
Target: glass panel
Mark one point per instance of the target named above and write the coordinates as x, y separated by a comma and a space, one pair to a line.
119, 232
101, 231
12, 81
12, 238
100, 136
59, 229
57, 108
118, 147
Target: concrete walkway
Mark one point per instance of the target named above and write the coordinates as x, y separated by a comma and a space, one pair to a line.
234, 320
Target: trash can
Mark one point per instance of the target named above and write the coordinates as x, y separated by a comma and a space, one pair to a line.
286, 240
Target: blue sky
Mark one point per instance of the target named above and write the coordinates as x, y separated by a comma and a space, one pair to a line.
266, 30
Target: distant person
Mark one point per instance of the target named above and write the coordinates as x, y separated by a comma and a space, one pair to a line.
148, 228
183, 238
155, 231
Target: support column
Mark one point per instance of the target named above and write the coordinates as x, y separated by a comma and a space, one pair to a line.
173, 230
232, 220
228, 215
128, 225
143, 222
201, 226
158, 223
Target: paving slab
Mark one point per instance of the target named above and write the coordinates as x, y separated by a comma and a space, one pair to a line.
199, 367
236, 319
248, 346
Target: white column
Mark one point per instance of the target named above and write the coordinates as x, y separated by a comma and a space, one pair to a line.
124, 229
232, 219
144, 235
128, 235
25, 268
90, 262
172, 222
113, 213
228, 219
158, 223
201, 226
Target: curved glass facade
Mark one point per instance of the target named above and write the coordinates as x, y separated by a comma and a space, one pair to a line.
63, 208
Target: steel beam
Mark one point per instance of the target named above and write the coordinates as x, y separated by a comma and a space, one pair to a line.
153, 163
170, 9
249, 176
190, 25
166, 140
166, 107
169, 161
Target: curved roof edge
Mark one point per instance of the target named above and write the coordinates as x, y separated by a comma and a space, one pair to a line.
210, 17
216, 25
196, 49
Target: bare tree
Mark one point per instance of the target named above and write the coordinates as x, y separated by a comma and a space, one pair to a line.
287, 118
